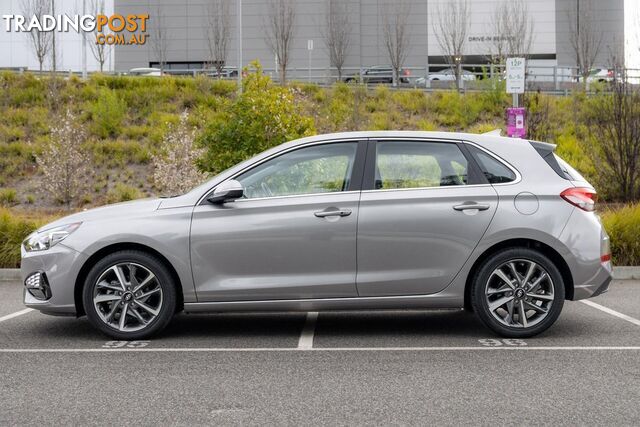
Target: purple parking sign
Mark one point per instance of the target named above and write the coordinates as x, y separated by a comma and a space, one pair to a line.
516, 122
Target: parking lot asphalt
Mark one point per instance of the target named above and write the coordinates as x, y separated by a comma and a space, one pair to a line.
342, 368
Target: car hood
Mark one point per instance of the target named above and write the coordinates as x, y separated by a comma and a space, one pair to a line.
126, 209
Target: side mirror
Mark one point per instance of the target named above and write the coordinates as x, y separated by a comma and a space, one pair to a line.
227, 192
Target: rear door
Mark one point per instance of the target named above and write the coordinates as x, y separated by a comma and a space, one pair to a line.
424, 207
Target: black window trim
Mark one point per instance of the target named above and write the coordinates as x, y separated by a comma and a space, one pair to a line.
474, 173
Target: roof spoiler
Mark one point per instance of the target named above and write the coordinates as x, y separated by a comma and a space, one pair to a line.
495, 132
543, 147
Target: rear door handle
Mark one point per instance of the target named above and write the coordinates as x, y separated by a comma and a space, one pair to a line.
337, 212
469, 206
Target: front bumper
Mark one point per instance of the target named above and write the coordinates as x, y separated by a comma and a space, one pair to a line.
61, 266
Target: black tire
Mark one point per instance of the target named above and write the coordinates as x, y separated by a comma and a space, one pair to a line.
480, 283
163, 280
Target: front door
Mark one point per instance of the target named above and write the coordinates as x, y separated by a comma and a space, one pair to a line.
420, 217
292, 236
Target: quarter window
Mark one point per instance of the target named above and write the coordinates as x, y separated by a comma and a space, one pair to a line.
415, 164
495, 171
317, 169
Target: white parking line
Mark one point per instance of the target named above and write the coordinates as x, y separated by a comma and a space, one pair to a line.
16, 314
306, 336
317, 349
611, 312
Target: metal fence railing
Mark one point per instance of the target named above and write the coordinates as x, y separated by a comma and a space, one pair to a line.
475, 77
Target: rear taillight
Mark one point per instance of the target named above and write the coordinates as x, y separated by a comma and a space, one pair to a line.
581, 197
605, 248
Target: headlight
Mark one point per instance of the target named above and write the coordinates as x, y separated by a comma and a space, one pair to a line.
43, 240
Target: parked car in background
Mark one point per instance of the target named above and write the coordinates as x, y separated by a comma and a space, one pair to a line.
155, 72
446, 75
600, 75
226, 73
379, 74
365, 220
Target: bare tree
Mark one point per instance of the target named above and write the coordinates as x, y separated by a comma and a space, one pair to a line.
160, 39
451, 29
615, 123
396, 37
512, 29
64, 163
100, 52
218, 32
585, 37
337, 34
175, 168
40, 40
280, 19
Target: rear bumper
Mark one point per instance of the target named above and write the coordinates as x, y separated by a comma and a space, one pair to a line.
599, 284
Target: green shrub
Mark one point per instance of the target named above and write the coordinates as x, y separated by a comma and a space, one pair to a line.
623, 227
8, 196
427, 125
120, 153
123, 193
107, 114
13, 230
456, 111
411, 101
262, 117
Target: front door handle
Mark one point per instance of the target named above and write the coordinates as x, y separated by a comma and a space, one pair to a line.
468, 206
336, 212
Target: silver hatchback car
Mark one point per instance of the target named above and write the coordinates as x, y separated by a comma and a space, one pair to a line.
368, 220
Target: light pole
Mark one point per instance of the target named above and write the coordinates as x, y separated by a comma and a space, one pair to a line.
427, 81
84, 43
239, 42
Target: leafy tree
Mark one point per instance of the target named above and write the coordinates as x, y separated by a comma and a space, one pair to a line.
263, 116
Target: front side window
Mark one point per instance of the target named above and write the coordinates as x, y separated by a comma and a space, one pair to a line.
416, 164
317, 169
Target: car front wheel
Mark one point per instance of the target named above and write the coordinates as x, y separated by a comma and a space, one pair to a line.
129, 295
518, 293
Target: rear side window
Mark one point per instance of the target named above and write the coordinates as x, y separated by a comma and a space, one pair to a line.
417, 164
568, 171
495, 171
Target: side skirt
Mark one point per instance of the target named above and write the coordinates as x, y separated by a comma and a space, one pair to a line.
436, 301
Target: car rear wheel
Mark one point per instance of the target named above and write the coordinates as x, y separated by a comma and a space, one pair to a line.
518, 293
129, 295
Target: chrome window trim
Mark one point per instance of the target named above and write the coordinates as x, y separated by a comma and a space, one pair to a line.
383, 190
332, 193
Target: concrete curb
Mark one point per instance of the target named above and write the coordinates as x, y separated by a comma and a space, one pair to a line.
9, 274
626, 273
619, 273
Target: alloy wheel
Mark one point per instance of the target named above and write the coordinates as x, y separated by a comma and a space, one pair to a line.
127, 297
519, 293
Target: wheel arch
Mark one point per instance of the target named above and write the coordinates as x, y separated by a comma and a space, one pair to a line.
547, 250
102, 252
